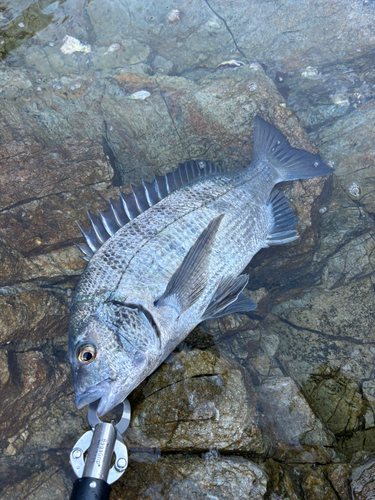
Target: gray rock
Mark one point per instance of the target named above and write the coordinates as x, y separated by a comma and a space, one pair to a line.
362, 481
351, 155
285, 408
193, 478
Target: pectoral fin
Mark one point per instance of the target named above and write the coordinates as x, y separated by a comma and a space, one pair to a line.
189, 281
228, 299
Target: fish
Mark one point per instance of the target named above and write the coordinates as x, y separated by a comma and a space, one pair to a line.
171, 254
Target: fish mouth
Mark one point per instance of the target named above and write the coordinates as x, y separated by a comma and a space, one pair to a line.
106, 392
93, 394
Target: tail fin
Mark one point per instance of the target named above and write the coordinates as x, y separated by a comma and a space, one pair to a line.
291, 163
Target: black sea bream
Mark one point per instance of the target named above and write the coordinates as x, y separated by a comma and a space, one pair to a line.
169, 256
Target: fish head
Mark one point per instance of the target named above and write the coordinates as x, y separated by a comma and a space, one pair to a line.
111, 351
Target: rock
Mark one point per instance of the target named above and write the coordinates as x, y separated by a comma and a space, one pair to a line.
352, 154
338, 475
358, 446
31, 312
49, 483
368, 388
337, 400
318, 42
362, 481
291, 429
316, 487
281, 482
182, 118
192, 478
70, 132
30, 171
197, 401
295, 423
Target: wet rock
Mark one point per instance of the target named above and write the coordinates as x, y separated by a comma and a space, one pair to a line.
37, 378
337, 400
208, 34
292, 429
192, 478
190, 119
316, 41
295, 422
338, 475
30, 171
281, 483
49, 483
316, 487
31, 312
368, 388
50, 223
359, 446
313, 328
348, 143
197, 401
300, 481
362, 481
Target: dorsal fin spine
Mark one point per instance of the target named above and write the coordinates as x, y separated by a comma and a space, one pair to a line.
138, 194
157, 189
179, 170
99, 234
117, 208
105, 224
167, 184
90, 241
126, 208
142, 197
149, 201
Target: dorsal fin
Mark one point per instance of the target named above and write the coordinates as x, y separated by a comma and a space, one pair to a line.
139, 200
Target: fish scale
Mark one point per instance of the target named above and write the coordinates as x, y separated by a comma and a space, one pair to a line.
142, 229
144, 266
176, 262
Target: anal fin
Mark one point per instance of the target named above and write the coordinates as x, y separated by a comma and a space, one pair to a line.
189, 281
228, 299
284, 220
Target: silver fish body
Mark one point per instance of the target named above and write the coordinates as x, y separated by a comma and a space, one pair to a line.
177, 263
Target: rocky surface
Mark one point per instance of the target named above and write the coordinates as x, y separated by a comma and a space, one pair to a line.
202, 401
193, 478
362, 481
276, 404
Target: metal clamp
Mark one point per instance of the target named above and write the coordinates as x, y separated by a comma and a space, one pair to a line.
101, 443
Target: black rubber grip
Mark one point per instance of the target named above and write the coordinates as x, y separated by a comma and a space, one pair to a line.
88, 488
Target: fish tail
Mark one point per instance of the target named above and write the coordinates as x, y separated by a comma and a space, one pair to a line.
290, 163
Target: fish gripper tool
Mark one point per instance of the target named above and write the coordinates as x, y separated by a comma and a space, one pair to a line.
92, 455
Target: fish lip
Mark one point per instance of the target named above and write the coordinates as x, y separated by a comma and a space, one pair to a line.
93, 393
107, 403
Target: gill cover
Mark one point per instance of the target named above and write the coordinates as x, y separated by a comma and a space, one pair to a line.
125, 339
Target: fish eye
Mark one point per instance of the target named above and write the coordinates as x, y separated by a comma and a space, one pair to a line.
86, 353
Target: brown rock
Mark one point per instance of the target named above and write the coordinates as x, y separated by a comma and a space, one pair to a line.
197, 401
191, 479
28, 170
281, 483
50, 223
37, 378
316, 487
338, 475
338, 401
31, 312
